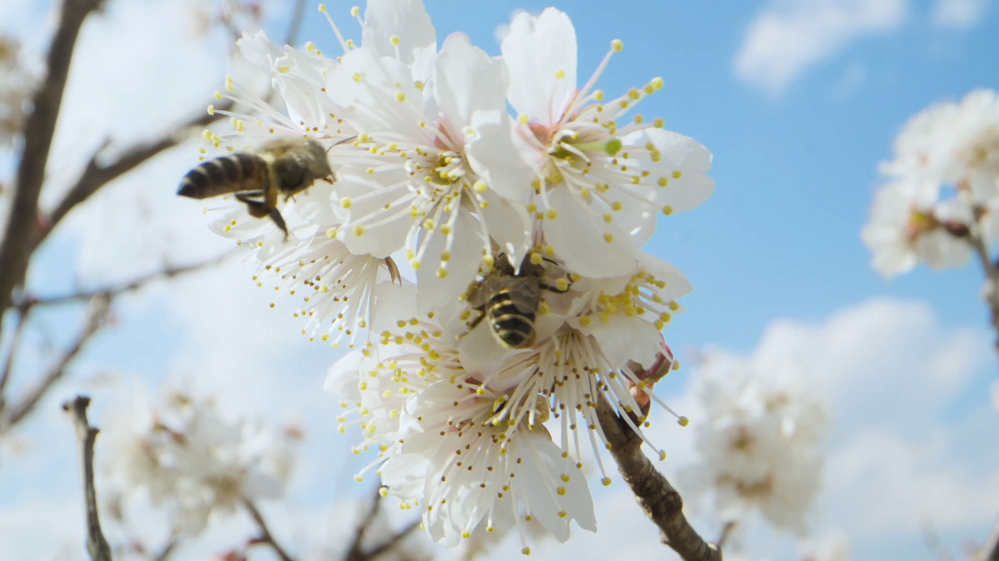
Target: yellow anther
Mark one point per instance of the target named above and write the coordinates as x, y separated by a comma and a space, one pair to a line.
683, 421
228, 83
608, 237
606, 481
667, 210
663, 181
358, 230
562, 514
634, 94
218, 95
354, 11
394, 40
565, 478
322, 7
419, 85
358, 478
639, 119
523, 119
416, 264
608, 218
657, 83
480, 186
345, 202
399, 96
383, 492
562, 285
536, 258
526, 551
488, 260
211, 109
598, 94
659, 123
677, 174
358, 77
616, 205
559, 74
445, 255
552, 214
441, 273
676, 365
310, 46
532, 206
584, 321
617, 45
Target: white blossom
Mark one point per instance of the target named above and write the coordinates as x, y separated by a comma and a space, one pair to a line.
834, 546
599, 182
184, 455
759, 443
909, 224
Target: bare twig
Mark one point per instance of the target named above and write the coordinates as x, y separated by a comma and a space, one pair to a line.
113, 291
167, 550
390, 543
990, 551
660, 501
296, 23
95, 320
15, 248
265, 532
22, 320
97, 546
725, 533
992, 278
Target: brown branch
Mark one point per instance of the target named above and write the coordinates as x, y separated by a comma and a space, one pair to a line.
390, 543
97, 546
97, 175
265, 532
30, 302
660, 501
39, 128
725, 533
95, 320
296, 23
22, 320
990, 551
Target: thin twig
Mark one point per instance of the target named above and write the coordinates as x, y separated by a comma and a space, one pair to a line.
167, 550
990, 551
354, 552
265, 532
296, 23
22, 320
97, 546
95, 320
660, 501
992, 278
113, 291
15, 248
390, 543
725, 533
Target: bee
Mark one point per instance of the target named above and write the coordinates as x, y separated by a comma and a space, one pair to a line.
281, 167
510, 301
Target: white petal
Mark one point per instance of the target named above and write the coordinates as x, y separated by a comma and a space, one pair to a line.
386, 232
537, 51
509, 225
685, 193
406, 19
677, 284
677, 151
466, 256
578, 238
259, 51
500, 157
466, 80
342, 377
623, 338
392, 303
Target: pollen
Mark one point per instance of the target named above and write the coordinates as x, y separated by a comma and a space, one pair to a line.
598, 95
663, 181
488, 260
562, 285
322, 7
211, 109
416, 264
358, 77
442, 273
394, 40
399, 96
608, 237
523, 119
616, 205
552, 214
659, 122
617, 45
480, 186
358, 230
608, 218
536, 258
559, 74
667, 210
662, 455
606, 481
445, 256
345, 202
526, 551
683, 421
657, 83
354, 11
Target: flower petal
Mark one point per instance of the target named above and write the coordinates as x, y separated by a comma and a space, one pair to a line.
466, 80
580, 239
540, 52
500, 157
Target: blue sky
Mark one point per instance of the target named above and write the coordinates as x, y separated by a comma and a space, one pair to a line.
797, 127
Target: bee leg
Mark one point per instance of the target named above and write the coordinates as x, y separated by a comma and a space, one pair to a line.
471, 325
551, 288
259, 209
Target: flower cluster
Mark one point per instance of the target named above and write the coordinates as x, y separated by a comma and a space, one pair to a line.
484, 267
183, 455
760, 443
941, 201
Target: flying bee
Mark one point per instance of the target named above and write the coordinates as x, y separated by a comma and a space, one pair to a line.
281, 167
510, 301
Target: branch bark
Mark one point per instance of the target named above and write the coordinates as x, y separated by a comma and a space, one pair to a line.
265, 532
990, 552
15, 248
356, 550
660, 501
95, 320
97, 546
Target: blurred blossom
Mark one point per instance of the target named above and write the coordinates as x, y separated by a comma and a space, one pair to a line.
184, 455
759, 443
943, 190
831, 547
16, 86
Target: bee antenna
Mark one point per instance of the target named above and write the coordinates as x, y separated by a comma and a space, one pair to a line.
338, 143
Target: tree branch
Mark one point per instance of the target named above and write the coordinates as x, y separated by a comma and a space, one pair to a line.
22, 320
390, 543
296, 23
95, 320
97, 546
356, 551
660, 501
39, 128
265, 532
113, 291
990, 551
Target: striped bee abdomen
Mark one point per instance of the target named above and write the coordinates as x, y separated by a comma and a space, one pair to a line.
228, 174
512, 323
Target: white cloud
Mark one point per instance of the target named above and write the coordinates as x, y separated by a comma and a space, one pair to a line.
958, 14
790, 36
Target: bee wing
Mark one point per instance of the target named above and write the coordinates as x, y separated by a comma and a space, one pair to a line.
524, 293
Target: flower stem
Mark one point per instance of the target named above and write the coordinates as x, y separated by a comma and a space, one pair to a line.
265, 532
